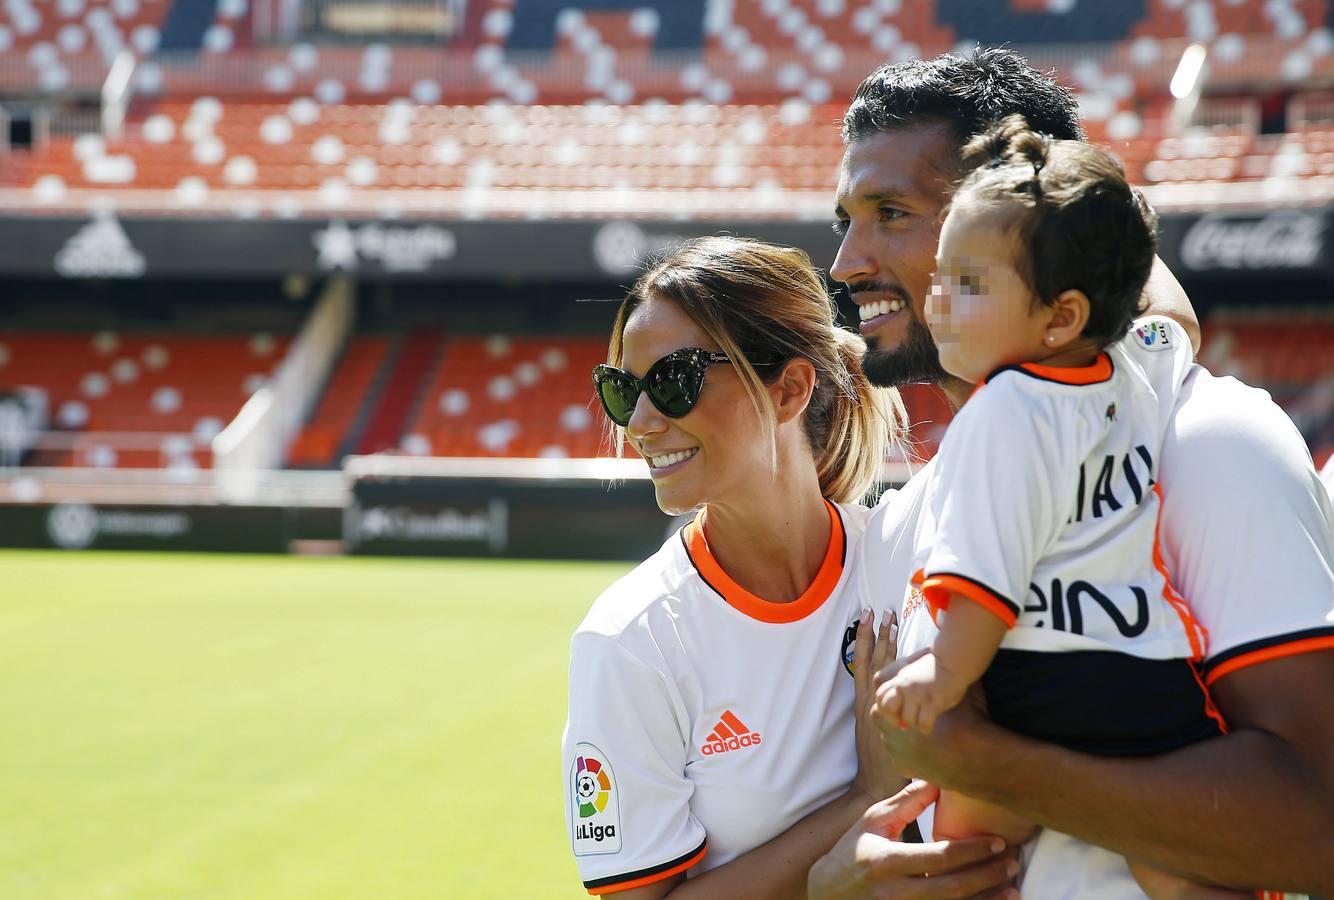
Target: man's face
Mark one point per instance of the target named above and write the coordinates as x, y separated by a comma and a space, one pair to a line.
892, 187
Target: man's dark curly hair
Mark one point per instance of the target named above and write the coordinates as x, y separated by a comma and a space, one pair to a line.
968, 93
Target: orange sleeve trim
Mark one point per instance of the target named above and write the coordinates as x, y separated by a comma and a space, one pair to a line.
937, 589
1196, 633
649, 879
1265, 654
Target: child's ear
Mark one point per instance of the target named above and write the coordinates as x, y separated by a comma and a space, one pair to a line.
1066, 318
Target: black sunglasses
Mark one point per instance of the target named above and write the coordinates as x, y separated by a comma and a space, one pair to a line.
672, 383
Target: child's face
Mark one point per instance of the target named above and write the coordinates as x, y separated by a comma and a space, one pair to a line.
980, 312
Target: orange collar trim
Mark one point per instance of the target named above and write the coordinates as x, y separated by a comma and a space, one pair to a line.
831, 570
1100, 371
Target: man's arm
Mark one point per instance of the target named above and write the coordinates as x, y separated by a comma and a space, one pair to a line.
1164, 296
1252, 809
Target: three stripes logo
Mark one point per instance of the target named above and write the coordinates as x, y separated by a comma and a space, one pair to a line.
729, 734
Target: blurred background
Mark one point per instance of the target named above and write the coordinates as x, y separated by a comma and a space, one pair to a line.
327, 277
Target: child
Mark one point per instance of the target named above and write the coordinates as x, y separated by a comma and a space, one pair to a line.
1038, 554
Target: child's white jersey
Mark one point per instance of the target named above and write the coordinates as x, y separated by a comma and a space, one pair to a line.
702, 717
1257, 564
1042, 504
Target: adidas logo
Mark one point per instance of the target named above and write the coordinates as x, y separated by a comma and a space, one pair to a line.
100, 249
729, 734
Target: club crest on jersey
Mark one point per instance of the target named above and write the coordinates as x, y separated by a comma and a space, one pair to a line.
595, 808
729, 734
849, 648
1154, 336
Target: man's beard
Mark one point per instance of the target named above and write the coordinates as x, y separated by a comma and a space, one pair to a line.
914, 361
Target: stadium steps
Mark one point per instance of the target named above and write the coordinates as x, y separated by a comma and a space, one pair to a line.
403, 387
370, 402
371, 398
339, 419
424, 390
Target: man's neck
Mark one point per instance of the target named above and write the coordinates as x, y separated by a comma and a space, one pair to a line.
956, 390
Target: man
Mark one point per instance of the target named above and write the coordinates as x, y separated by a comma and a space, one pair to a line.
1244, 532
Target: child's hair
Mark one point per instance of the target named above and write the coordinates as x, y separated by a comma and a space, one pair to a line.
752, 297
1078, 222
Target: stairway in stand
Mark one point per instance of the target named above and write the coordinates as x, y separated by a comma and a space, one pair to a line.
386, 424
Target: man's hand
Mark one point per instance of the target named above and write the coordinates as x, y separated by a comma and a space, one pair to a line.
943, 756
870, 862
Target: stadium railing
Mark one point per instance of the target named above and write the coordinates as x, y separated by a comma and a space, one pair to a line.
257, 439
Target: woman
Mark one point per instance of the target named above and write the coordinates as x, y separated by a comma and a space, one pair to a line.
711, 722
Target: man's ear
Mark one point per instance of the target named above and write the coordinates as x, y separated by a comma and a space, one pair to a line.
1066, 318
791, 391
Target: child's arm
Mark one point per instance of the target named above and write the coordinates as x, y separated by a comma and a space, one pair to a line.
969, 637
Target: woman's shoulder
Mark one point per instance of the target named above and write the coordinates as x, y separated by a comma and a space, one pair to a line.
658, 582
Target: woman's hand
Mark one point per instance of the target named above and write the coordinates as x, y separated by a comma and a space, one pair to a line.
876, 776
870, 862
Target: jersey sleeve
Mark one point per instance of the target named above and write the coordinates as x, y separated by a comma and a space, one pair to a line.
1247, 529
994, 505
1162, 348
627, 799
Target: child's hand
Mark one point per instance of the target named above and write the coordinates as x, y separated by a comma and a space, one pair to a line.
918, 693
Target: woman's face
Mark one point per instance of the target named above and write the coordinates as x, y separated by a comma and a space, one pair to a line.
715, 451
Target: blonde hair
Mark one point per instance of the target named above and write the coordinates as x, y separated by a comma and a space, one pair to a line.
756, 298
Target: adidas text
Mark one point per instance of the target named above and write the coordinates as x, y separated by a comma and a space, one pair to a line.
735, 743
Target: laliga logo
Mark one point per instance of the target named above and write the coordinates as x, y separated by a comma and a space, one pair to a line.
596, 813
729, 734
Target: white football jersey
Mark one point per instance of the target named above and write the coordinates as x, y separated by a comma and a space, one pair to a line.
1224, 546
1041, 505
704, 720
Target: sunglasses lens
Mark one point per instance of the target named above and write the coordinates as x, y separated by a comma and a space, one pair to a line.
618, 396
674, 385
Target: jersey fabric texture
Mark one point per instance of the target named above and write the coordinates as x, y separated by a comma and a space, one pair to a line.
1043, 509
1245, 531
717, 718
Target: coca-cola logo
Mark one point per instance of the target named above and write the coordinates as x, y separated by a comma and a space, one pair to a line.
1277, 241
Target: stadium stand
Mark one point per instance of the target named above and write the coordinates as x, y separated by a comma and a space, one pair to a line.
544, 109
504, 395
136, 400
346, 123
1288, 353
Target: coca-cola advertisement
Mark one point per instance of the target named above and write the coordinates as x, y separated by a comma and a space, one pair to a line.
1276, 243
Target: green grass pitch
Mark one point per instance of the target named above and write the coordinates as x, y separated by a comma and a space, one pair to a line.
269, 727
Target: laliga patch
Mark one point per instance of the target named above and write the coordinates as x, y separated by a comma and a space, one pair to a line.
595, 806
1154, 336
